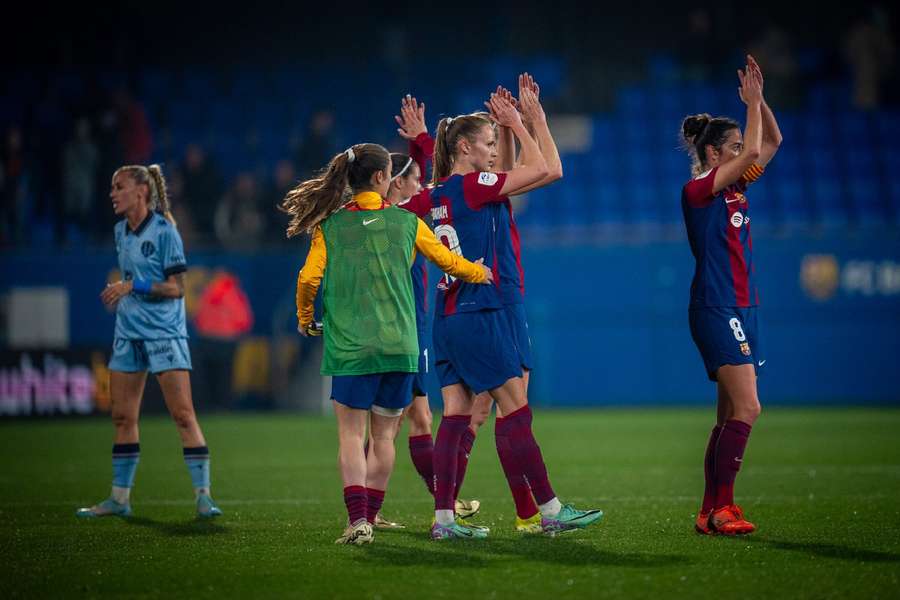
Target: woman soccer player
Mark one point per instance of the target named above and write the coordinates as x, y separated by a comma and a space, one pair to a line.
474, 347
724, 297
407, 178
150, 334
512, 292
371, 350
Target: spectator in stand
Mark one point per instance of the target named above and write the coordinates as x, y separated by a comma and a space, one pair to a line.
869, 49
239, 222
134, 129
284, 179
318, 145
774, 51
697, 37
80, 160
223, 316
202, 187
13, 188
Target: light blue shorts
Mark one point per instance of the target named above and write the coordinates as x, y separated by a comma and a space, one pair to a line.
156, 356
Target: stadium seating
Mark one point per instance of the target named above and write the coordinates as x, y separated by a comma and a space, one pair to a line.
833, 170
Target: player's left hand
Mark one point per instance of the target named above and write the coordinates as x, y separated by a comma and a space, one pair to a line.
526, 81
113, 292
755, 70
532, 111
411, 118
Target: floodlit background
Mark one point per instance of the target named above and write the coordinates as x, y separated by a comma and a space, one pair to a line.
239, 104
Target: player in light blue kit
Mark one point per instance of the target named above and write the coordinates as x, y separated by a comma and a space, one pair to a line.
151, 334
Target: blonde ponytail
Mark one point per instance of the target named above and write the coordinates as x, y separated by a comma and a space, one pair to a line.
158, 185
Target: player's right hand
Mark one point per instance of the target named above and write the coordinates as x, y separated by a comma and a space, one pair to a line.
411, 118
311, 329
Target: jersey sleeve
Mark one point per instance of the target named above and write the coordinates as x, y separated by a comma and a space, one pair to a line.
447, 261
310, 278
480, 188
172, 252
699, 192
421, 150
419, 205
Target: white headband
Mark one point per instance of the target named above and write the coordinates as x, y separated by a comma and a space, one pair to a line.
403, 170
350, 155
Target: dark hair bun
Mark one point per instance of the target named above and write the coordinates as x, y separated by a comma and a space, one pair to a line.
693, 126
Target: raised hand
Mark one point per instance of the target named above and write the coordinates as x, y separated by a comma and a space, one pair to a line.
755, 70
532, 111
751, 87
526, 81
503, 93
411, 119
503, 112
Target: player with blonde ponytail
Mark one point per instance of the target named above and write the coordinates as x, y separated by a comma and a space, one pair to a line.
150, 334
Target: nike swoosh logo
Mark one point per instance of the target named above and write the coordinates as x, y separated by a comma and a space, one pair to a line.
762, 362
370, 221
730, 201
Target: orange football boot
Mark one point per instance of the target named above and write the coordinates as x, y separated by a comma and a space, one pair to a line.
702, 523
729, 520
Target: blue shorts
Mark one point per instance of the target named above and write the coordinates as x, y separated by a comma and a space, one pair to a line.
726, 336
420, 381
156, 356
518, 322
390, 391
477, 349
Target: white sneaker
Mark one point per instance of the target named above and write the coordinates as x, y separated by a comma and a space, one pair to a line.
358, 534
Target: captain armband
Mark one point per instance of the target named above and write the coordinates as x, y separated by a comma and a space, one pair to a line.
752, 173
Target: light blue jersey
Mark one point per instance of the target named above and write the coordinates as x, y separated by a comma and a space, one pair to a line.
153, 252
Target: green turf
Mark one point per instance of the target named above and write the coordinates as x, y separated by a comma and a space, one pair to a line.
822, 485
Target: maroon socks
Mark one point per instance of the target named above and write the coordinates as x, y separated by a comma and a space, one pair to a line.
518, 485
446, 459
709, 471
462, 459
513, 435
421, 450
729, 455
375, 498
357, 503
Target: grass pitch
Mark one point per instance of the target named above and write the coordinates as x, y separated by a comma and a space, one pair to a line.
823, 487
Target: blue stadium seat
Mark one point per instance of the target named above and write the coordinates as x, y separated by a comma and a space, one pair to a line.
607, 202
830, 205
792, 201
869, 202
633, 101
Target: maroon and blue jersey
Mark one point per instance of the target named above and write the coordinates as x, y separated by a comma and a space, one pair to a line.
718, 228
465, 215
420, 150
509, 256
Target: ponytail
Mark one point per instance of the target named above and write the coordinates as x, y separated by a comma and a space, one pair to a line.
158, 185
700, 131
314, 200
